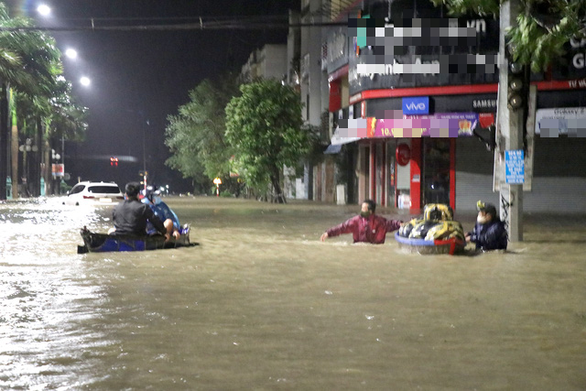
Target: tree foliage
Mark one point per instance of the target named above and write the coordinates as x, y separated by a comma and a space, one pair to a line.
29, 60
264, 126
544, 27
195, 136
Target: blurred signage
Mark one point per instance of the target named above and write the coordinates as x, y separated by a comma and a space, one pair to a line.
515, 166
415, 126
564, 120
484, 104
58, 170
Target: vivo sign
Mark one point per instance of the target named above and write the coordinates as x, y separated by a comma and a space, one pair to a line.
419, 105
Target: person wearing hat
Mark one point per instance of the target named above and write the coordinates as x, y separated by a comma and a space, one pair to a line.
489, 232
152, 198
131, 216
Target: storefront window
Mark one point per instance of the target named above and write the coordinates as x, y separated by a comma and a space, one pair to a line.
391, 173
379, 173
436, 171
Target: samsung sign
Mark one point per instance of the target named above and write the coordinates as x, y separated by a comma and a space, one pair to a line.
418, 105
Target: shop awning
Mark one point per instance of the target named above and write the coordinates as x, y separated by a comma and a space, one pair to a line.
345, 134
333, 149
349, 130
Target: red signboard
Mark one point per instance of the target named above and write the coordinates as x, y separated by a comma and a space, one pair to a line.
58, 169
403, 154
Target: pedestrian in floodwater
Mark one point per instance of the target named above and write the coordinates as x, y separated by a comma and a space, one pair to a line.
489, 232
366, 227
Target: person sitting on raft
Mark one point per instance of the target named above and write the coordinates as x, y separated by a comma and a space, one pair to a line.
489, 232
366, 227
131, 216
162, 211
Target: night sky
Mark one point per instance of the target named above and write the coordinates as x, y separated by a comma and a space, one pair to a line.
143, 76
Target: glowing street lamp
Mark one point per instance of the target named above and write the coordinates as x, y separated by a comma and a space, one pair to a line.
44, 10
85, 81
71, 53
217, 181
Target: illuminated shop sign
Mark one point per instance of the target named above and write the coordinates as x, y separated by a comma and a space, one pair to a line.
417, 105
578, 60
396, 124
570, 121
436, 125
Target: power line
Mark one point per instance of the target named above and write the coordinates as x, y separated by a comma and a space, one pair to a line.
252, 23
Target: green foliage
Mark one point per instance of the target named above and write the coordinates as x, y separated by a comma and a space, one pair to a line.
29, 60
195, 136
62, 115
66, 117
64, 187
264, 126
543, 28
463, 7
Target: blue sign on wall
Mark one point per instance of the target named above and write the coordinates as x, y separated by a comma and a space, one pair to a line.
416, 105
515, 166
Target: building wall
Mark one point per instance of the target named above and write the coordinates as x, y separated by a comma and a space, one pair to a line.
474, 166
273, 61
559, 181
310, 67
268, 62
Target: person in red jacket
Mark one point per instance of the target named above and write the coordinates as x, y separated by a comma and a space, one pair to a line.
366, 227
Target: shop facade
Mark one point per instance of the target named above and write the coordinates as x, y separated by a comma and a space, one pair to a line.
398, 162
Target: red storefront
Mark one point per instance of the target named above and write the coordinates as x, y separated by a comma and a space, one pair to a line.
409, 160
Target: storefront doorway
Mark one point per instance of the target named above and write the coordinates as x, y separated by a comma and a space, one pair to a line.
436, 171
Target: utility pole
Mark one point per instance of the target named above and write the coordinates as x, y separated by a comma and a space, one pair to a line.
511, 119
4, 131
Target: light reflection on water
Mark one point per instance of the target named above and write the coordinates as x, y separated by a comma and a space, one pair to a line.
262, 304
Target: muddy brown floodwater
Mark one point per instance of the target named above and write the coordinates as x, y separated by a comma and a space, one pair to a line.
262, 304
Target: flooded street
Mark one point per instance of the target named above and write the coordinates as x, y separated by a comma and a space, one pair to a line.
262, 304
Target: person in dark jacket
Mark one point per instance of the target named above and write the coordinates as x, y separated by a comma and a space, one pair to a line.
131, 216
489, 232
366, 227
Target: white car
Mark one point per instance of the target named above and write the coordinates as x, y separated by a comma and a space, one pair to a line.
102, 193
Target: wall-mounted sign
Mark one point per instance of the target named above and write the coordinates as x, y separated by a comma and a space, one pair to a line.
415, 126
515, 166
484, 103
416, 105
563, 120
58, 170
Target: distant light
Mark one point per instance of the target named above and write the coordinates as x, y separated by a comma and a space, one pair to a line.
85, 81
71, 53
44, 9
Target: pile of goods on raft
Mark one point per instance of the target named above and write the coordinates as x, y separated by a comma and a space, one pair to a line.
435, 233
101, 242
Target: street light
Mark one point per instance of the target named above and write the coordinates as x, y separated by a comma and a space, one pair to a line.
71, 53
85, 81
44, 9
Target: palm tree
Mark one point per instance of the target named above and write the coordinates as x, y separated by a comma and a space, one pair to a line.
29, 64
66, 120
46, 120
